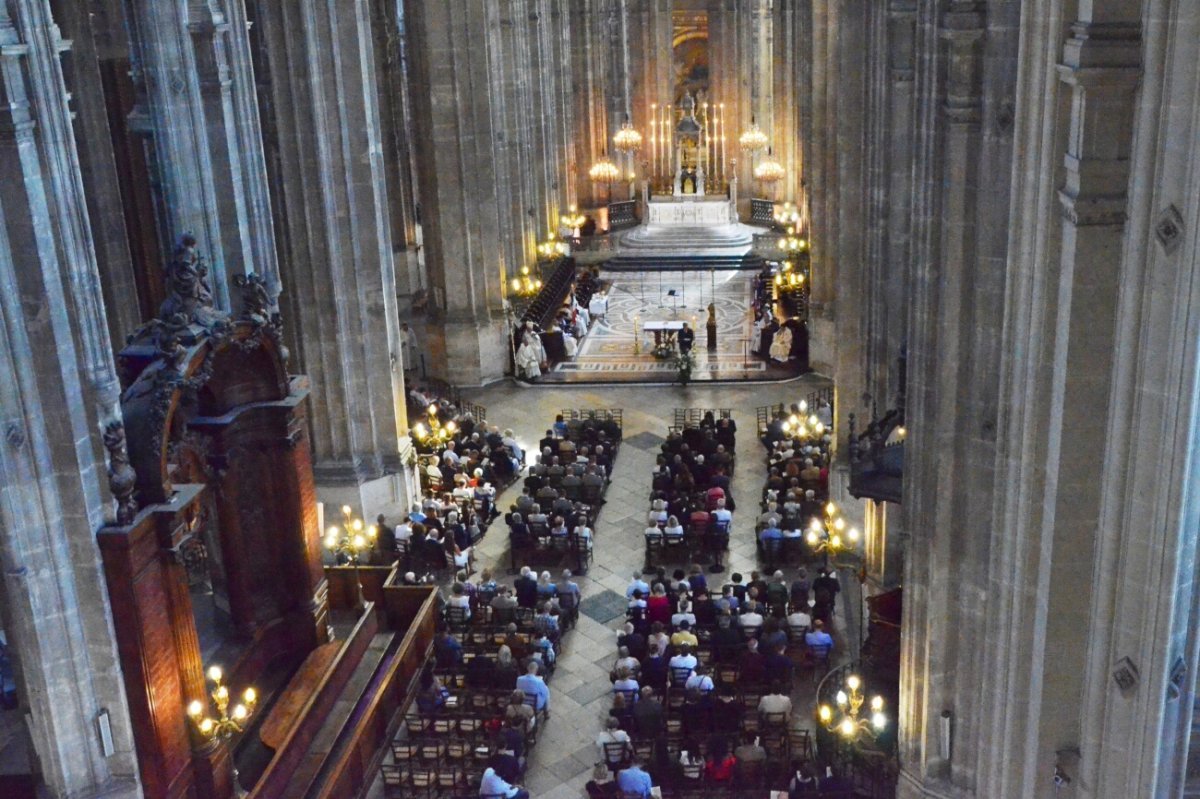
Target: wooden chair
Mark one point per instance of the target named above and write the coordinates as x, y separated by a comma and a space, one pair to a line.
395, 781
616, 755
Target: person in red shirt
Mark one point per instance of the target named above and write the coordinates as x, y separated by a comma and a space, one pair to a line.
720, 764
658, 605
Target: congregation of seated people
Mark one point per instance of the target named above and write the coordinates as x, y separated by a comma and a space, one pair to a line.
563, 491
701, 685
691, 500
483, 697
797, 484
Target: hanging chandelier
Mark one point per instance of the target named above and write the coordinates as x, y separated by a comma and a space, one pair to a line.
770, 170
846, 719
627, 140
753, 140
604, 170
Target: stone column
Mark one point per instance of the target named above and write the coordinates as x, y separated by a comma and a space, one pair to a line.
59, 390
479, 154
196, 106
339, 256
1053, 502
99, 171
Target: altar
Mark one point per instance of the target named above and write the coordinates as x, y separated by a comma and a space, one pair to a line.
690, 211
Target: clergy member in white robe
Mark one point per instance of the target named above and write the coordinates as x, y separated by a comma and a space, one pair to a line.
528, 362
781, 346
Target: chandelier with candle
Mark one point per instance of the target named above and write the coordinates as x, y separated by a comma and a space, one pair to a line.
847, 718
604, 170
552, 248
753, 140
627, 140
227, 721
433, 432
769, 170
833, 536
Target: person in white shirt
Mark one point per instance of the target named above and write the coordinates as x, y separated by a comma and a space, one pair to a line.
626, 661
493, 785
403, 530
450, 457
613, 734
775, 703
799, 622
625, 682
408, 347
673, 529
584, 533
459, 599
658, 512
722, 514
699, 681
751, 618
684, 660
683, 614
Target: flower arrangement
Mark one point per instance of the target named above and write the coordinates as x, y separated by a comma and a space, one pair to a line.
685, 364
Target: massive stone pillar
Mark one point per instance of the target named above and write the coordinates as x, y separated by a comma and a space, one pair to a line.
484, 160
58, 390
101, 179
339, 258
197, 109
965, 66
1066, 655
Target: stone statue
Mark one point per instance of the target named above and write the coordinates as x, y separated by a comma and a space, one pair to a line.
121, 477
168, 339
256, 300
711, 327
188, 292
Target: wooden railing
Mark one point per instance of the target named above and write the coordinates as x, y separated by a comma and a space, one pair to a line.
292, 751
379, 716
343, 584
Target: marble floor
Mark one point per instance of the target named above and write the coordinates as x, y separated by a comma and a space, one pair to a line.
608, 353
561, 762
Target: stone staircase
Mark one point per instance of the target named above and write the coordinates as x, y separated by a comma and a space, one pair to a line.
718, 239
682, 263
686, 248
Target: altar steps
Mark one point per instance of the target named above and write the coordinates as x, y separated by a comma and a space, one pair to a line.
700, 239
653, 262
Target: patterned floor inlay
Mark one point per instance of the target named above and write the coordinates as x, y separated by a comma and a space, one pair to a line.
647, 441
640, 297
604, 607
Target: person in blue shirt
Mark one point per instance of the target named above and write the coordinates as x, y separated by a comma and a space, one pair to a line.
634, 780
560, 426
770, 532
447, 650
531, 683
493, 784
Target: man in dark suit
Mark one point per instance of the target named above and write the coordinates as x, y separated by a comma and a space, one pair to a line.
687, 337
648, 714
385, 540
